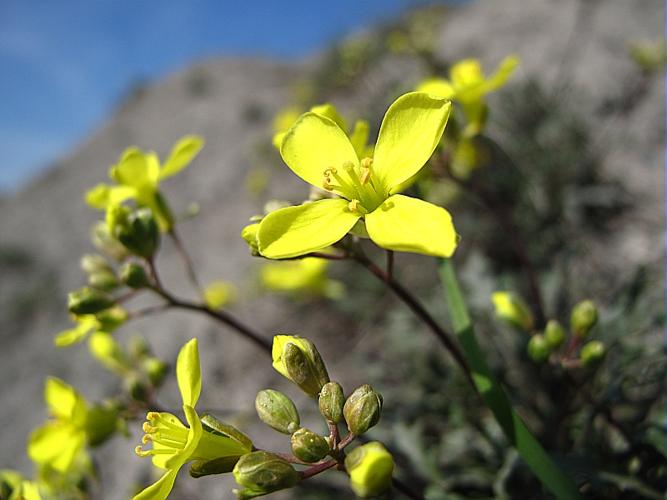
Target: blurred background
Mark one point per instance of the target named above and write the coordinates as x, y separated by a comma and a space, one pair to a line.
576, 165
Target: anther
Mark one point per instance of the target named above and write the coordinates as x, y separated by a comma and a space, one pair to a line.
148, 428
146, 439
366, 162
152, 415
141, 452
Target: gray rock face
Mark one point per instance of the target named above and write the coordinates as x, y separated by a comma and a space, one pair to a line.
231, 104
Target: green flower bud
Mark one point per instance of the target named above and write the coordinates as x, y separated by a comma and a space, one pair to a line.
104, 242
584, 317
88, 301
103, 280
261, 472
249, 234
156, 369
538, 348
512, 309
101, 423
138, 232
92, 263
309, 446
592, 353
138, 347
111, 318
362, 409
277, 411
134, 275
136, 387
554, 333
331, 402
370, 468
297, 359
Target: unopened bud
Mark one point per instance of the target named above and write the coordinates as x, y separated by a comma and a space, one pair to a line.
104, 242
111, 318
138, 232
92, 263
101, 423
554, 333
277, 411
297, 359
510, 308
538, 348
592, 353
584, 317
88, 301
309, 446
362, 409
136, 388
370, 467
262, 472
134, 275
331, 402
103, 280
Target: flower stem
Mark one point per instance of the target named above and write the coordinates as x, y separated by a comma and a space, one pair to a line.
316, 469
187, 261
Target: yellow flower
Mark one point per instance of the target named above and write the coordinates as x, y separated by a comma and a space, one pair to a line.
318, 151
468, 85
138, 174
174, 444
59, 442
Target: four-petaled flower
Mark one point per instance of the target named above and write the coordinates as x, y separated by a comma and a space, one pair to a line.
138, 175
318, 151
174, 444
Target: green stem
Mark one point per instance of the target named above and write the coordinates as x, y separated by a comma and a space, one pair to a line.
514, 428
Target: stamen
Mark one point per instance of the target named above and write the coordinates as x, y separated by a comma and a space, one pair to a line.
143, 453
355, 206
148, 428
146, 439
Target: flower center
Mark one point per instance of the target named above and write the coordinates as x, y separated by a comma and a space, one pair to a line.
168, 436
356, 184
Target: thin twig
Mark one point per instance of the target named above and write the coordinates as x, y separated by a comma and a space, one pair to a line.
187, 261
390, 264
316, 469
411, 301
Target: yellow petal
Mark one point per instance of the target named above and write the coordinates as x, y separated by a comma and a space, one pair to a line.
188, 373
410, 225
437, 86
329, 111
103, 195
466, 73
56, 444
136, 169
160, 489
313, 144
410, 131
359, 137
63, 401
306, 228
182, 154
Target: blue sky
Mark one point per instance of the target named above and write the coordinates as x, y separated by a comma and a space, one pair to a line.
64, 64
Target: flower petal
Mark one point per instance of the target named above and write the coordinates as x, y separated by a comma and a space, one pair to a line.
160, 489
194, 435
63, 401
298, 230
182, 154
359, 137
410, 225
313, 144
103, 195
410, 131
437, 86
56, 444
502, 73
188, 373
136, 169
328, 110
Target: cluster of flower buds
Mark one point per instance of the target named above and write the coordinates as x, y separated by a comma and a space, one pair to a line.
553, 342
298, 359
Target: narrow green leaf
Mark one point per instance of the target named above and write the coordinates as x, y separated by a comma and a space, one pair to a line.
495, 398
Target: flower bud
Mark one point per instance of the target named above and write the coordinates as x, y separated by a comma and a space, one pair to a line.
370, 467
138, 347
362, 409
92, 263
136, 388
111, 318
554, 333
88, 301
108, 352
297, 359
510, 308
538, 348
134, 275
138, 232
331, 402
262, 472
104, 242
309, 446
277, 411
156, 369
592, 353
103, 280
101, 423
584, 317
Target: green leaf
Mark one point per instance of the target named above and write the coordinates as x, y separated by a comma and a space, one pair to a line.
515, 429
